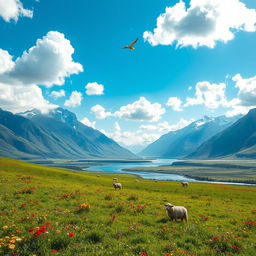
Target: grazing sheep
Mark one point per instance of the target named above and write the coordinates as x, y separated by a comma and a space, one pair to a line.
116, 179
176, 212
117, 186
184, 184
98, 176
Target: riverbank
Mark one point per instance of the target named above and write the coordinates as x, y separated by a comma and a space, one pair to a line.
208, 170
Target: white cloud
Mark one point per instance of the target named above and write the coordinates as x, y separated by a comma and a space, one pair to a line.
165, 127
175, 103
246, 96
47, 63
202, 24
247, 90
74, 99
58, 94
100, 112
94, 89
145, 134
13, 9
210, 95
87, 122
141, 110
130, 138
19, 98
6, 63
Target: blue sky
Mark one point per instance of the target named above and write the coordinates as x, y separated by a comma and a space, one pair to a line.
194, 57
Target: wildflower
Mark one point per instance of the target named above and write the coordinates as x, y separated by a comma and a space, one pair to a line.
167, 254
18, 231
54, 251
215, 238
5, 227
38, 233
31, 230
164, 229
143, 254
12, 246
12, 241
71, 234
236, 247
23, 205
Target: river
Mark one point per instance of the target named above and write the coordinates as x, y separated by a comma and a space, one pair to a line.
118, 168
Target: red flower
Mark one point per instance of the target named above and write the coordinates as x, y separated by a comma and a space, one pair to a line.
31, 230
215, 238
236, 247
143, 254
71, 234
38, 233
18, 231
22, 205
47, 224
54, 251
167, 254
164, 229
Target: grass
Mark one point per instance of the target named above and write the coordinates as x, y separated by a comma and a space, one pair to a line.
49, 211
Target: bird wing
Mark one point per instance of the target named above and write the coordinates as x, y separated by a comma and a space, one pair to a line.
134, 42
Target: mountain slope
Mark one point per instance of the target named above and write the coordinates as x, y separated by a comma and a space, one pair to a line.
184, 141
238, 140
56, 135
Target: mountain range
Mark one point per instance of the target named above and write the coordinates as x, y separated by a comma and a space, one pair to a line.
238, 140
57, 134
180, 143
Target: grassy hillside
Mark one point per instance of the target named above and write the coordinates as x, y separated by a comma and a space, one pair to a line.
48, 211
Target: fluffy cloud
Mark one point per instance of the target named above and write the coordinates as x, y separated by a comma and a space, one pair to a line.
175, 103
246, 97
165, 127
47, 63
145, 134
94, 89
58, 94
13, 9
202, 24
210, 95
87, 122
247, 90
141, 110
19, 98
129, 138
100, 112
6, 63
74, 99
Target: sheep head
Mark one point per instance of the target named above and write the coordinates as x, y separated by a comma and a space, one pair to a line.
168, 206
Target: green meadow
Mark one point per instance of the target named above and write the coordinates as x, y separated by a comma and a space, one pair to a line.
50, 211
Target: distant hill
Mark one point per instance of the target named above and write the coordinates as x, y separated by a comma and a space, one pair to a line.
238, 140
57, 134
182, 142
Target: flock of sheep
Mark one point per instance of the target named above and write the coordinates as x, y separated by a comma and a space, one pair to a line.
174, 212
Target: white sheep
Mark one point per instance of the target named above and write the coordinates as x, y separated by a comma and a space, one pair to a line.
184, 184
117, 186
176, 212
115, 179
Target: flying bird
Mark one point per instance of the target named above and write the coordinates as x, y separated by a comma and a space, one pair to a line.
131, 45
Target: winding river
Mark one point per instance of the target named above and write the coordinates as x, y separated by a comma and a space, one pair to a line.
119, 168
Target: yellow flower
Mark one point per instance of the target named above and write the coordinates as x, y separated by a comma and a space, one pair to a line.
5, 227
12, 241
11, 246
1, 239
